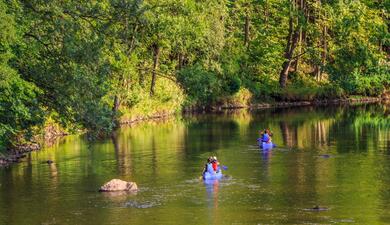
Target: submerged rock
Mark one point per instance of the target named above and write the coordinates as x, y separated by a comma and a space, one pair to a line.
318, 209
118, 185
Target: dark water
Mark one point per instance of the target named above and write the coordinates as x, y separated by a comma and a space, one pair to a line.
334, 157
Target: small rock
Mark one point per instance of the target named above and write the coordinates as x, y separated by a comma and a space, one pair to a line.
318, 209
118, 185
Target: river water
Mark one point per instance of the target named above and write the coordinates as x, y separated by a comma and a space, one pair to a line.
337, 158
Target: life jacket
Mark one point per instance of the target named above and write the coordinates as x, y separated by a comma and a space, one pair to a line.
215, 165
209, 168
265, 138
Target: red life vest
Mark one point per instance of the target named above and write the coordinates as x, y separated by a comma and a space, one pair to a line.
215, 165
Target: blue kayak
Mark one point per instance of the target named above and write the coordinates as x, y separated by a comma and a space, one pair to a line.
265, 145
212, 175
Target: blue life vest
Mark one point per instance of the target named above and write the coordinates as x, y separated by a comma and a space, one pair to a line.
209, 168
265, 138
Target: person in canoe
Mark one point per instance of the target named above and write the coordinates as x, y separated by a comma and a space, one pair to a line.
215, 164
208, 167
265, 136
211, 169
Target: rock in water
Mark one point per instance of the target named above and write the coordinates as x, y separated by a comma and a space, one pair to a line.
318, 208
119, 185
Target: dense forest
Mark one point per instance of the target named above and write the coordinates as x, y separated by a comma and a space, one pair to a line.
88, 64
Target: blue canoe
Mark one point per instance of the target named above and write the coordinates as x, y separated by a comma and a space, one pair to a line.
265, 145
212, 175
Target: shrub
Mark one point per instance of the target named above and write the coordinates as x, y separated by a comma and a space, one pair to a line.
201, 86
371, 84
330, 91
298, 93
242, 97
231, 84
264, 88
19, 108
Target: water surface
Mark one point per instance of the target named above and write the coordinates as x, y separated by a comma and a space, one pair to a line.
334, 157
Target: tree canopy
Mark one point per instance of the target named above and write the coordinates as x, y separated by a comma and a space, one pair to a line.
87, 64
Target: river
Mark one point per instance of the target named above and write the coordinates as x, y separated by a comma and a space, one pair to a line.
337, 158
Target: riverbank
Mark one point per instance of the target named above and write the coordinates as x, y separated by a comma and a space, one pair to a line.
52, 133
220, 107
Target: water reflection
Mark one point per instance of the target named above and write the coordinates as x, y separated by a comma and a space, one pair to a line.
161, 156
266, 155
212, 187
289, 134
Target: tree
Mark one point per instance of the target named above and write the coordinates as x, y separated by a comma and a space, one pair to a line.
19, 108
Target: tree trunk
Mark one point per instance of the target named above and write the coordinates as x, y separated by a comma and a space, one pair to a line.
115, 108
246, 30
296, 64
284, 73
290, 36
266, 15
181, 61
291, 45
324, 48
156, 49
116, 104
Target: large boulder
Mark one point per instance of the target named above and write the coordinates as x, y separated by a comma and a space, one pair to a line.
118, 185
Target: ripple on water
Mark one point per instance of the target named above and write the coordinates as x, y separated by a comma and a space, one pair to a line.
141, 205
317, 209
343, 221
192, 181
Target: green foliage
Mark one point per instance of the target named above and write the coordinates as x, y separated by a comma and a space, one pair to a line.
63, 56
91, 63
368, 84
19, 108
357, 57
330, 91
231, 84
264, 89
298, 93
241, 98
201, 86
165, 101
